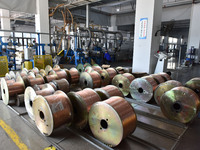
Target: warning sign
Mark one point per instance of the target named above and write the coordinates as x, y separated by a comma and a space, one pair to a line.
143, 28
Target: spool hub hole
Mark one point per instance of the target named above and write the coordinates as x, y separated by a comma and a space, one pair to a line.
41, 115
177, 107
80, 70
140, 90
120, 85
104, 124
31, 103
4, 91
85, 82
102, 77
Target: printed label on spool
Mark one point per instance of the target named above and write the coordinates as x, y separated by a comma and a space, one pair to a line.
56, 107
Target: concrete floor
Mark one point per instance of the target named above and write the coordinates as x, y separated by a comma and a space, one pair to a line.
70, 139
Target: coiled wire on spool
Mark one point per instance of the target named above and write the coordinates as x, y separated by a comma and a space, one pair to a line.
62, 85
33, 81
112, 120
52, 111
123, 81
142, 89
163, 88
82, 102
158, 78
73, 76
10, 90
194, 84
180, 104
112, 73
8, 81
61, 74
90, 80
165, 76
30, 94
108, 91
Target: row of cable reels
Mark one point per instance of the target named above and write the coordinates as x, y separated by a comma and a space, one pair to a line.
48, 100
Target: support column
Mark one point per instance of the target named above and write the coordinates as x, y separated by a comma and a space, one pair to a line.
87, 16
42, 23
113, 23
194, 32
5, 23
146, 44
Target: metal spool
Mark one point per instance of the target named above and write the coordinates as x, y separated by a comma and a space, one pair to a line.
62, 85
82, 102
97, 68
127, 69
42, 72
48, 68
158, 78
161, 89
175, 83
109, 91
165, 76
86, 64
30, 94
25, 70
35, 70
88, 69
112, 73
11, 89
7, 76
123, 82
12, 75
38, 80
120, 70
8, 82
31, 75
90, 80
74, 76
105, 79
50, 78
180, 104
20, 100
56, 68
194, 84
96, 65
17, 74
61, 74
142, 88
80, 68
52, 111
112, 120
23, 73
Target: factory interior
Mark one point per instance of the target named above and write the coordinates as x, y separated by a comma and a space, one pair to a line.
99, 74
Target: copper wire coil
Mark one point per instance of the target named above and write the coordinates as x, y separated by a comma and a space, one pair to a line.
90, 80
112, 72
97, 68
62, 85
42, 72
129, 76
54, 85
52, 111
194, 84
9, 90
82, 102
112, 120
74, 76
50, 78
20, 100
56, 68
180, 104
109, 91
37, 81
165, 76
35, 70
61, 74
158, 78
142, 89
23, 73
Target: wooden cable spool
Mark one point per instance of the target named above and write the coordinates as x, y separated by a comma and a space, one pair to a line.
90, 80
112, 120
109, 91
30, 94
142, 89
82, 102
52, 111
73, 76
10, 90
